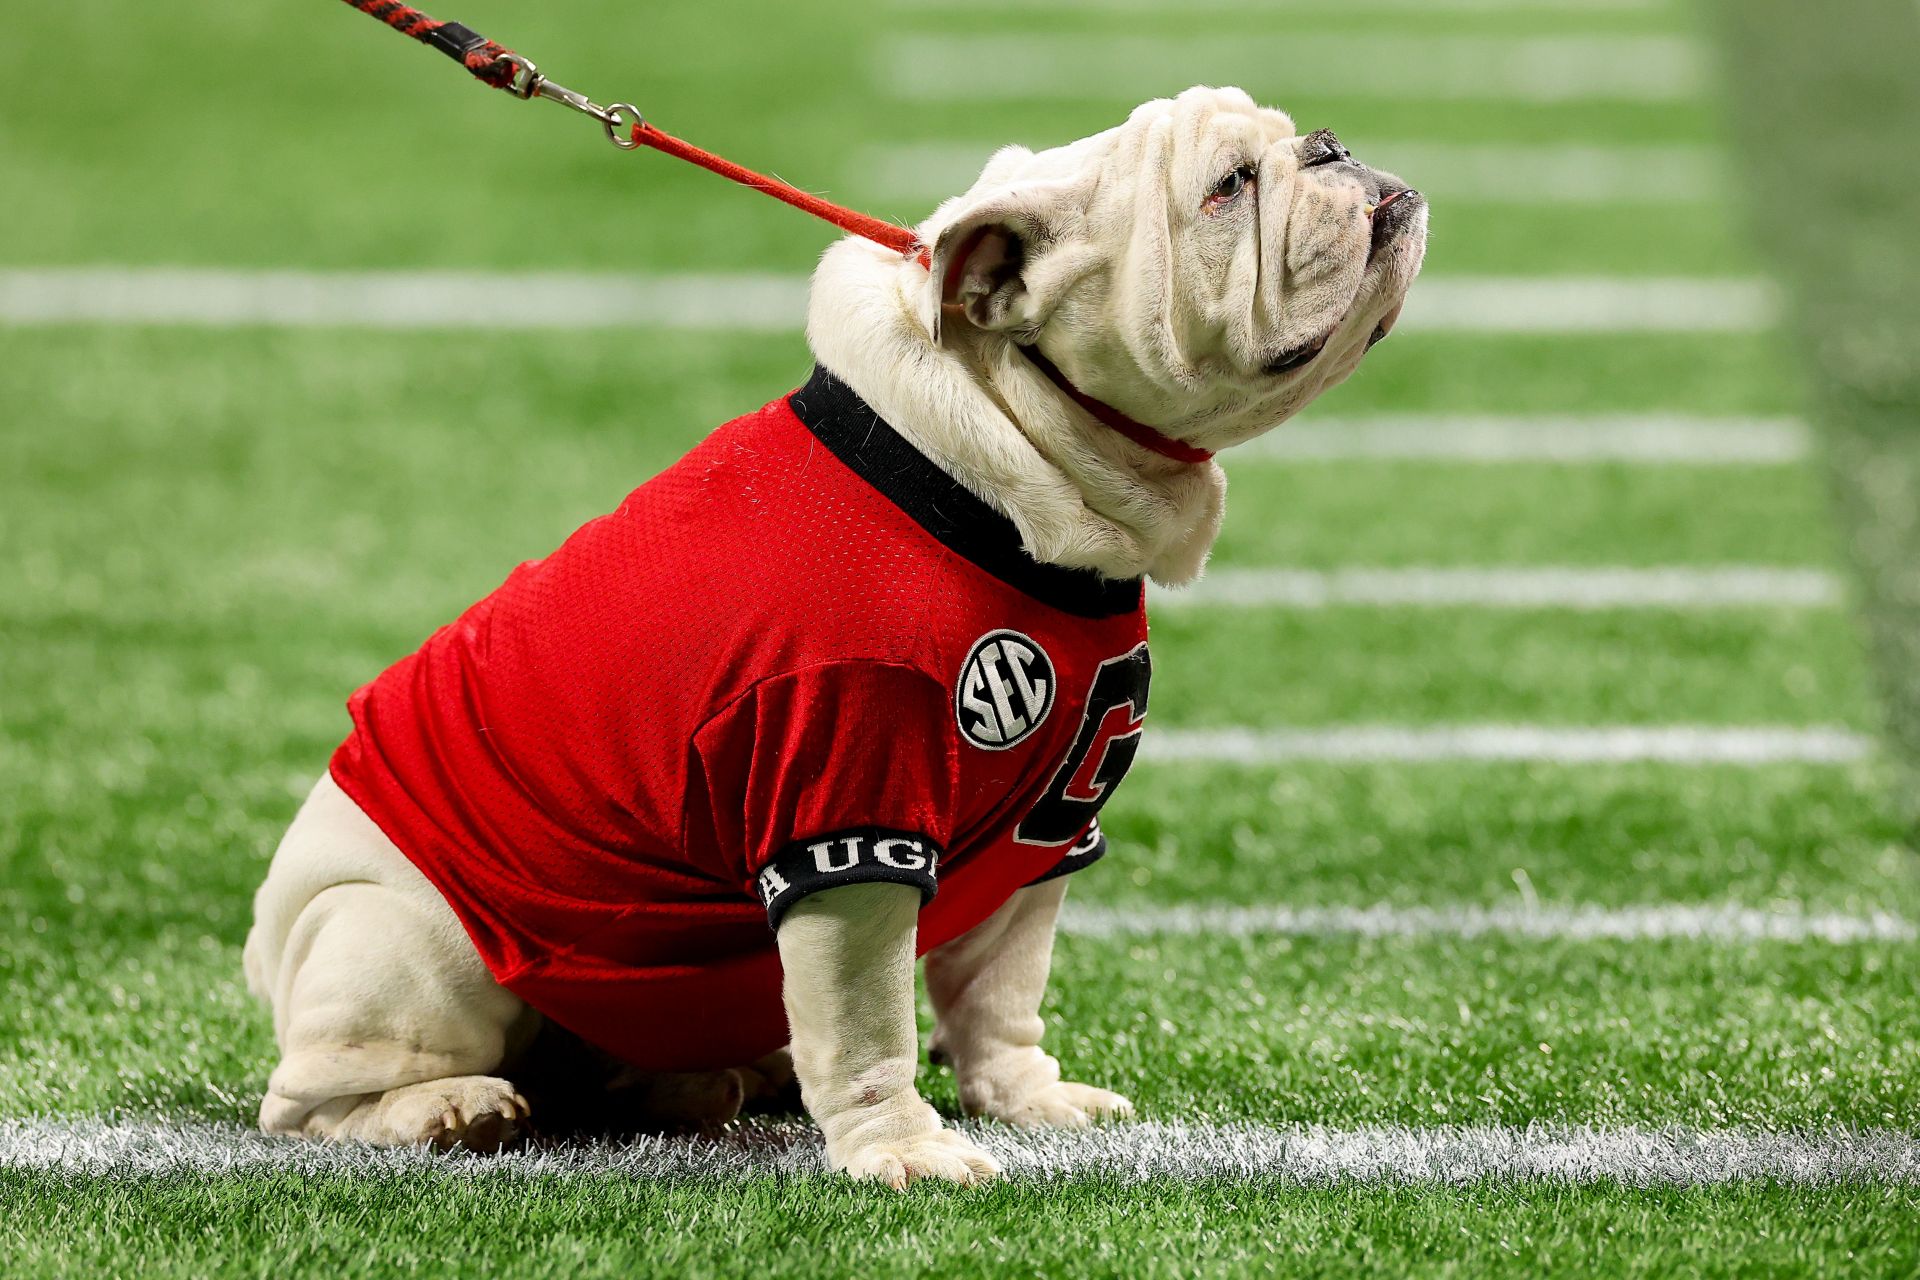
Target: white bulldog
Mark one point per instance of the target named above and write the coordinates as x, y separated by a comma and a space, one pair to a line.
1097, 320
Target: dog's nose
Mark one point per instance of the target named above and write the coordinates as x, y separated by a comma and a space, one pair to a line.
1392, 210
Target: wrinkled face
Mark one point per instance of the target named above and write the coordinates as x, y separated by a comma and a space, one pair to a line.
1204, 268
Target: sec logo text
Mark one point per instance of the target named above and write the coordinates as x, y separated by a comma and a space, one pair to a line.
1005, 690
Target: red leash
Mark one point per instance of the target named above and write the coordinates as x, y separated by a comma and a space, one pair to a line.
900, 239
501, 68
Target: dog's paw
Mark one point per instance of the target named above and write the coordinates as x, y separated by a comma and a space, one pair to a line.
464, 1113
944, 1155
1065, 1105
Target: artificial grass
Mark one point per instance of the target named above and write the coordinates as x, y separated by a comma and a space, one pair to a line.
1727, 373
1815, 837
1257, 667
446, 1225
1441, 1030
1322, 514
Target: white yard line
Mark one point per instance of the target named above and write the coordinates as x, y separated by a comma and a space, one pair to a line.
1511, 587
1542, 174
1525, 743
1707, 922
759, 303
1506, 173
1653, 438
1081, 67
1382, 1154
402, 299
1592, 304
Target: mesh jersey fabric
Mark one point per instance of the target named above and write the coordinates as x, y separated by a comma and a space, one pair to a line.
802, 652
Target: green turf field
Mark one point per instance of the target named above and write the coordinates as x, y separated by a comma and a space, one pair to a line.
209, 535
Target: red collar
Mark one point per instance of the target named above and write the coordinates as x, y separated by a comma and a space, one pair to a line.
1138, 432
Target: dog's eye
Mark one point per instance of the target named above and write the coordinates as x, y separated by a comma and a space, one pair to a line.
1321, 147
1228, 189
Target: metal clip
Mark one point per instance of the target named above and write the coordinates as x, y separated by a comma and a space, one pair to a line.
618, 119
526, 76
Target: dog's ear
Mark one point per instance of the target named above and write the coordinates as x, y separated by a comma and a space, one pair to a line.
978, 266
984, 258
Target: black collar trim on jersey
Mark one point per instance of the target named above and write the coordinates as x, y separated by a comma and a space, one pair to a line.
943, 507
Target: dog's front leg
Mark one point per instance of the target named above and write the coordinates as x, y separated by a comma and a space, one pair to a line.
848, 955
986, 987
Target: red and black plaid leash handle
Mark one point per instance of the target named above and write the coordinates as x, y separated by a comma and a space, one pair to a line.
500, 67
491, 64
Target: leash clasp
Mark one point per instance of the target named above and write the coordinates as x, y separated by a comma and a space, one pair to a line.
618, 120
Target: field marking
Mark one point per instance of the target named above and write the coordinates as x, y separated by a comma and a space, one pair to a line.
1704, 922
1593, 304
1529, 743
1506, 173
1074, 66
1511, 587
750, 303
1307, 1154
402, 299
1648, 438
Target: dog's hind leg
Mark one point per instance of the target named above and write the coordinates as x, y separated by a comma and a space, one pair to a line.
391, 1030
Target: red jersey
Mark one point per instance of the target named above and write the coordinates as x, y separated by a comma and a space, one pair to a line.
803, 656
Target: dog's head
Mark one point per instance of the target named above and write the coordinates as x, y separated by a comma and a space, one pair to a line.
1204, 267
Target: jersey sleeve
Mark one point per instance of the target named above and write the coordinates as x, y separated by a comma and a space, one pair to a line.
841, 773
1081, 854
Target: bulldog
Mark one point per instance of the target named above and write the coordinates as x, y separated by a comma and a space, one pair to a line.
847, 685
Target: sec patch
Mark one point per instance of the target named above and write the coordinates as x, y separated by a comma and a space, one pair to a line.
1005, 690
